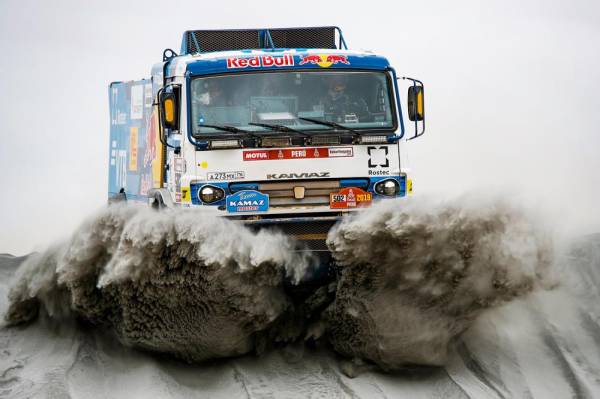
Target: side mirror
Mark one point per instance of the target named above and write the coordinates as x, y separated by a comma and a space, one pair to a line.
169, 109
416, 103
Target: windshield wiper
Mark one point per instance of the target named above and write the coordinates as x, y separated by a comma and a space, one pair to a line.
230, 129
282, 128
334, 125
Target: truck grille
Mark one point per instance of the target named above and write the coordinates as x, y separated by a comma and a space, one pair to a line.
316, 192
309, 235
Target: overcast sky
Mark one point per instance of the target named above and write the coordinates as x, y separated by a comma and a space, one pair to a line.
512, 95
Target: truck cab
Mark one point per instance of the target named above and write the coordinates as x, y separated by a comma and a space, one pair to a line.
282, 128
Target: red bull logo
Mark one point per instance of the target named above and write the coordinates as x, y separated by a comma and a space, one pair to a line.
324, 60
261, 61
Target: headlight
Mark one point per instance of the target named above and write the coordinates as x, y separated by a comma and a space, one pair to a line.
325, 140
388, 187
221, 144
373, 139
276, 141
210, 194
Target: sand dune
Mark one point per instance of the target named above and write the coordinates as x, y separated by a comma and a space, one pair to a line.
544, 346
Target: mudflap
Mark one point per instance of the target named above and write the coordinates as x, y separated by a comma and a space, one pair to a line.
322, 274
309, 235
310, 298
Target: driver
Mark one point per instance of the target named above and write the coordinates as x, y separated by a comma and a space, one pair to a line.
209, 101
212, 94
345, 107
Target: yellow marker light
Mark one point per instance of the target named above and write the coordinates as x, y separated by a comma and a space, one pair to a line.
420, 103
185, 194
169, 106
409, 186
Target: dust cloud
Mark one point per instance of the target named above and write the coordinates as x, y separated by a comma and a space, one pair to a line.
410, 278
178, 282
413, 276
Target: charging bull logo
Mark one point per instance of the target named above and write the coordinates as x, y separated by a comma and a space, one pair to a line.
324, 60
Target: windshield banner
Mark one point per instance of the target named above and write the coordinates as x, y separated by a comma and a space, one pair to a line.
304, 153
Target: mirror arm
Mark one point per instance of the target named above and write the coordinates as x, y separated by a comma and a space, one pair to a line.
161, 134
417, 83
398, 104
166, 61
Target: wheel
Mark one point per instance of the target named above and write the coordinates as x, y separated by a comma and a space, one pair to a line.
157, 202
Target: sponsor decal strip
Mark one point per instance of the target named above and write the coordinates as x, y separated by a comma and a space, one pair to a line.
300, 153
286, 60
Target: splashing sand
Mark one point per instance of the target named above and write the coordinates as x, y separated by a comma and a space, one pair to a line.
412, 276
415, 275
178, 282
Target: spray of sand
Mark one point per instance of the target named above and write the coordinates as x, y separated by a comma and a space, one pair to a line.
178, 282
414, 275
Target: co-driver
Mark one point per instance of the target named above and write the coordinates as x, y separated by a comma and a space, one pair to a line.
345, 107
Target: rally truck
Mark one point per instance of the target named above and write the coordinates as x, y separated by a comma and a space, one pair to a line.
278, 128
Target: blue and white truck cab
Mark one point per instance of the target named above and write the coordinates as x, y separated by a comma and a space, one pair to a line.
275, 127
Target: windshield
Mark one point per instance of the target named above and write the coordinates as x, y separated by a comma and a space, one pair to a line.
356, 100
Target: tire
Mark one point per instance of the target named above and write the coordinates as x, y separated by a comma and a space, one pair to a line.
158, 202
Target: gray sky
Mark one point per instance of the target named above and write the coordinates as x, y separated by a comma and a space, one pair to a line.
512, 95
